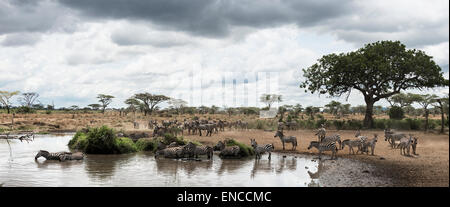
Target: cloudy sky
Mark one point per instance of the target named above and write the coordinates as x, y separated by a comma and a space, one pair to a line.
202, 51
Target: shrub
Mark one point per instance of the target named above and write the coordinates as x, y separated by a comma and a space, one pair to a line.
25, 110
125, 145
144, 144
396, 112
244, 151
101, 141
379, 123
338, 124
79, 141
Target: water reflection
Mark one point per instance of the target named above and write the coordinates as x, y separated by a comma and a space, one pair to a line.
233, 165
104, 166
190, 167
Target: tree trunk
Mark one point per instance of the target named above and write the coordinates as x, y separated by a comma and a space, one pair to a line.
7, 108
426, 120
368, 119
442, 115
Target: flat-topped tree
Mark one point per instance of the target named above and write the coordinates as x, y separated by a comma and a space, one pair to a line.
378, 70
150, 101
5, 97
105, 100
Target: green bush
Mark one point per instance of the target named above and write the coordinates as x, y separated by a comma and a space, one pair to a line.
379, 123
125, 145
244, 151
144, 144
396, 112
79, 141
25, 110
101, 141
338, 124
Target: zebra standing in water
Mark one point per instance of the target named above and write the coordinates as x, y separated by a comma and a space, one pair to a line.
286, 139
324, 146
61, 156
203, 150
261, 149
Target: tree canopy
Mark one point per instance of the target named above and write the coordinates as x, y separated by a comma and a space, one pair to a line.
378, 70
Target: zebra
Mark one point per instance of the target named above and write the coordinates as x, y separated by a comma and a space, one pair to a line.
230, 151
321, 133
208, 127
392, 137
261, 149
333, 138
352, 143
286, 139
203, 150
405, 144
370, 143
324, 146
172, 152
219, 146
362, 138
414, 145
61, 156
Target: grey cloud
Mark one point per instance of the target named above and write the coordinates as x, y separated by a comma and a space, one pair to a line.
20, 39
34, 16
213, 18
126, 37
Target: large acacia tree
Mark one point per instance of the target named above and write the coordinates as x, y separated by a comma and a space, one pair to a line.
378, 70
150, 101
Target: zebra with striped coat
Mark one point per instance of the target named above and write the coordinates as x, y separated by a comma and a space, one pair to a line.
261, 149
230, 151
203, 150
405, 145
352, 143
324, 146
333, 138
286, 139
370, 143
61, 156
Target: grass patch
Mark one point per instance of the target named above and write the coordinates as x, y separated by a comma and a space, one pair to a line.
125, 145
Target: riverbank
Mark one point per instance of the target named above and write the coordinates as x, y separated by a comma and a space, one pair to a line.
429, 168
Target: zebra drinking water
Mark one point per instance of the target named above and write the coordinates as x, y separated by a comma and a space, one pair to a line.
203, 150
286, 139
324, 146
261, 149
61, 156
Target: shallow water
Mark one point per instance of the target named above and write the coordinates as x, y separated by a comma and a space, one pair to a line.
142, 169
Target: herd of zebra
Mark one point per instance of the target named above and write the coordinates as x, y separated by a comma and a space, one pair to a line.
331, 143
176, 127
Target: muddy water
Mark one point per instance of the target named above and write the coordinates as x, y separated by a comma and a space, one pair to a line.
142, 169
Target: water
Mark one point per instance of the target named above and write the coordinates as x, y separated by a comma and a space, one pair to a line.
142, 169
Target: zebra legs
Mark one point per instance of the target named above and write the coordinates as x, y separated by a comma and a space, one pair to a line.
270, 155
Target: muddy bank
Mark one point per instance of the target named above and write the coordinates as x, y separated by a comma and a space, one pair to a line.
350, 173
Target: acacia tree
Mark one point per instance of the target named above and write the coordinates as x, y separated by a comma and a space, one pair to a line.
177, 104
425, 101
440, 104
104, 100
95, 107
378, 70
5, 97
150, 101
269, 99
28, 99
